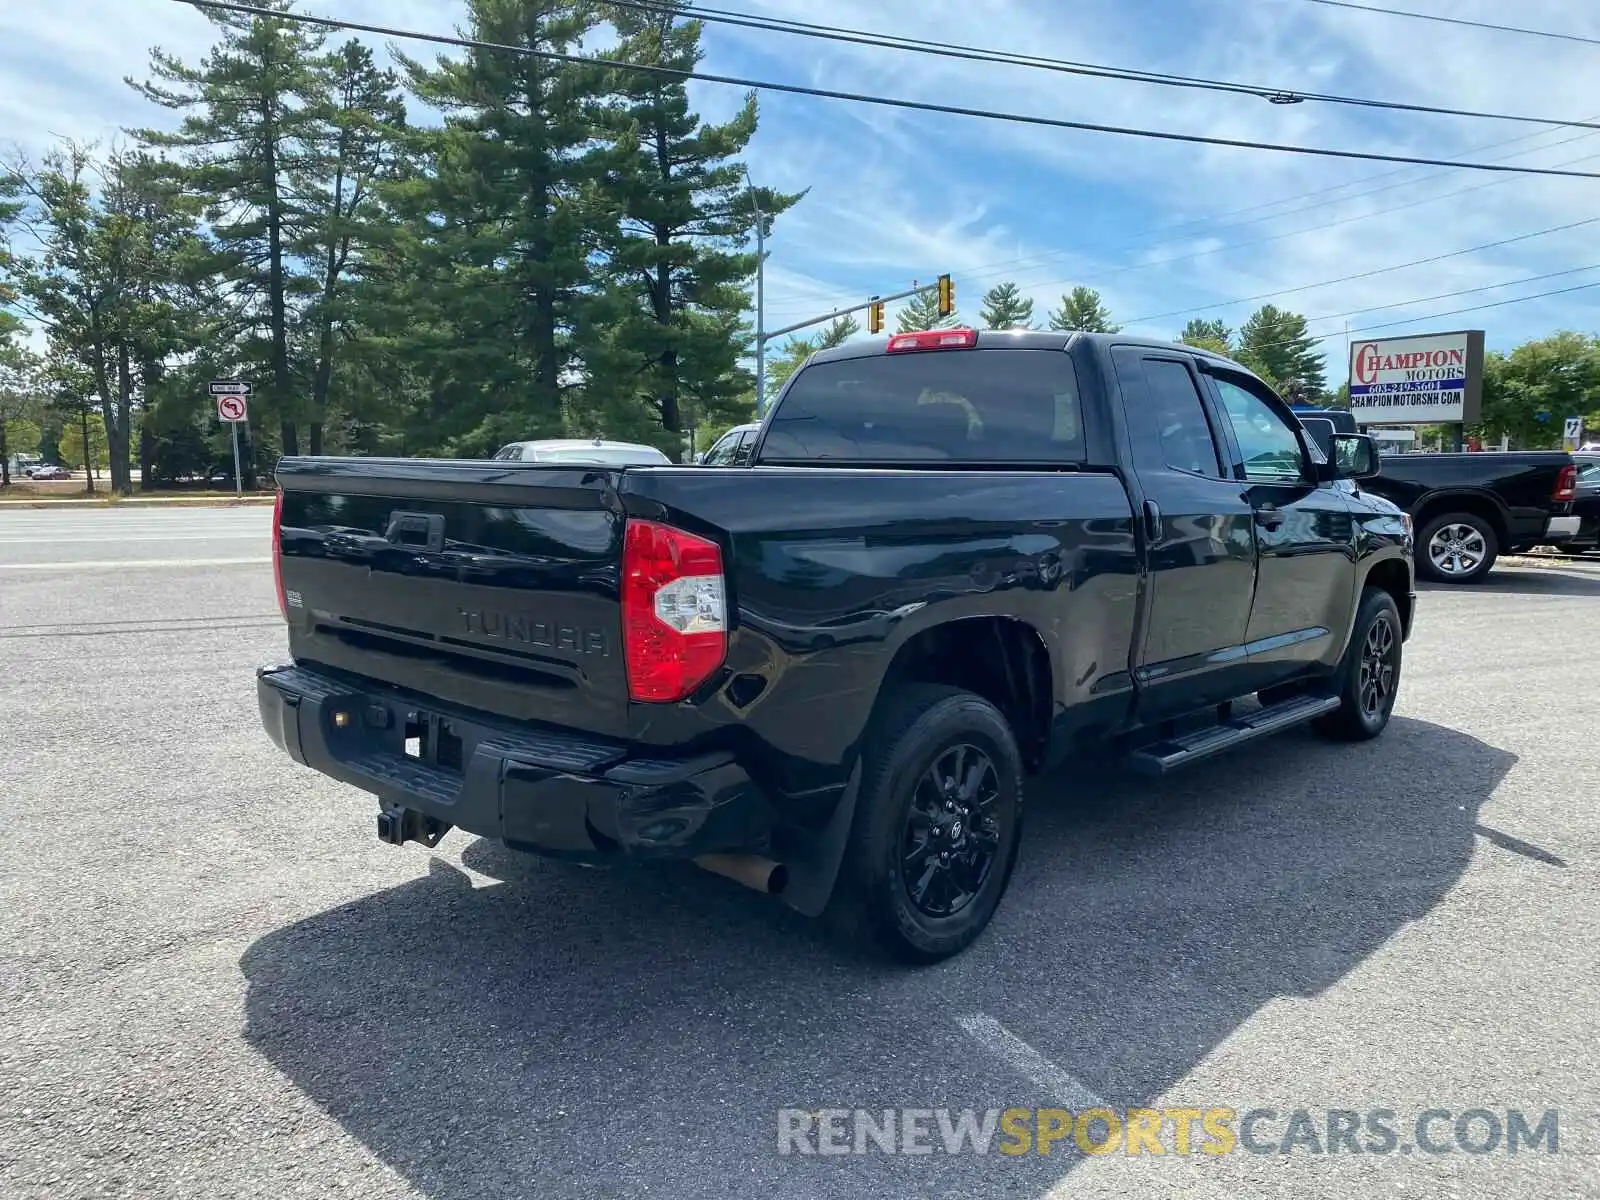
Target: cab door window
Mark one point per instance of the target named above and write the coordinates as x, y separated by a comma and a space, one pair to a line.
720, 454
1269, 447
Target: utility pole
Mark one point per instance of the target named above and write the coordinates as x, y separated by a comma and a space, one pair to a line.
761, 294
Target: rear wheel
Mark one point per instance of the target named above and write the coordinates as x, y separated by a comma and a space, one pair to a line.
937, 824
1457, 548
1369, 674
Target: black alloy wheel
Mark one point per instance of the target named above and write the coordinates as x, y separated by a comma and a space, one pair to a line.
952, 836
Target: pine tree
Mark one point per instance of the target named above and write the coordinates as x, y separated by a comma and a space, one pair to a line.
1004, 307
250, 111
1275, 344
1208, 335
358, 147
13, 187
921, 312
677, 264
487, 274
792, 356
1083, 310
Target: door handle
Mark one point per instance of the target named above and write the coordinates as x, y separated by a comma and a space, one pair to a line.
1268, 517
1152, 521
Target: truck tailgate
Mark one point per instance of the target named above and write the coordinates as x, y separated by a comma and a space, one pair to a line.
493, 586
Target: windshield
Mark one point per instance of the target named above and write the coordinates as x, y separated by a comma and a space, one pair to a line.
1009, 406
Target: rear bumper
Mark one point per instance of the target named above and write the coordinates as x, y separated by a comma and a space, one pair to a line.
1561, 529
551, 792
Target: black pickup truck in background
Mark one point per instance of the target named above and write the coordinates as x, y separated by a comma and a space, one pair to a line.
957, 558
1586, 504
1468, 509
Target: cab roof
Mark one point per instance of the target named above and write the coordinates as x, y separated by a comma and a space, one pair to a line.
1032, 339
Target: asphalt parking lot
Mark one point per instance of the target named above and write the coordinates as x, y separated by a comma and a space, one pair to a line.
215, 982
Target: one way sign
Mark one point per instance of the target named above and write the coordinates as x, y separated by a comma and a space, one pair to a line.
230, 387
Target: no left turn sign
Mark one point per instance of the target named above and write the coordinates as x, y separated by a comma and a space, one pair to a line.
231, 408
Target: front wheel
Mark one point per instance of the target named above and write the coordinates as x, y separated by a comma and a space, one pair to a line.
1456, 548
1369, 674
937, 824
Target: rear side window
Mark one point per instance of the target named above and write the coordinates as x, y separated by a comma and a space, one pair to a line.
983, 406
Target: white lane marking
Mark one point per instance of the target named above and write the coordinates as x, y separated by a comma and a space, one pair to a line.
138, 537
133, 564
1070, 1093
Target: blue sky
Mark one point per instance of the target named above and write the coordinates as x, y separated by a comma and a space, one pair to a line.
1164, 230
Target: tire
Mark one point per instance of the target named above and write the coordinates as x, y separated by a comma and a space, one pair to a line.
1369, 674
922, 730
1474, 542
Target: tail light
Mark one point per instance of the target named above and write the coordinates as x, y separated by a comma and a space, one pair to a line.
674, 618
1566, 485
277, 554
933, 339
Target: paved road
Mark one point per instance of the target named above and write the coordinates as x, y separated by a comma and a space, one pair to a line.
106, 538
214, 982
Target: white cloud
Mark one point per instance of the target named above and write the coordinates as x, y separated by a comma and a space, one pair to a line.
1080, 200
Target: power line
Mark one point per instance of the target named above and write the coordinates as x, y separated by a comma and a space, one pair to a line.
1274, 237
1400, 12
1456, 312
862, 37
1487, 287
1007, 266
1523, 237
795, 89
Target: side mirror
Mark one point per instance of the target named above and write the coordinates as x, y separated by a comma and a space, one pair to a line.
1321, 431
1355, 456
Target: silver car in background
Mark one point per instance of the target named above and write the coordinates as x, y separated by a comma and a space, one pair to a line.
580, 450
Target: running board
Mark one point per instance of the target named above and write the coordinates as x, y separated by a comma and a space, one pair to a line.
1168, 755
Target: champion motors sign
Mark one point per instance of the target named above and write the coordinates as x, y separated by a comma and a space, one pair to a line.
1428, 379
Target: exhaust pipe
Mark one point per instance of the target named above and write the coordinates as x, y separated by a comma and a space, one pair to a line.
753, 871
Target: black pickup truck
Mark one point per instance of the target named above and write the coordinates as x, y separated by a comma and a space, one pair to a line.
956, 558
1469, 509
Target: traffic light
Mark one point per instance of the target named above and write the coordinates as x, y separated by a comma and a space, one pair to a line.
875, 316
947, 296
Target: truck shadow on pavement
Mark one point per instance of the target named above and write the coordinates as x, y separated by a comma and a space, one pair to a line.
595, 1033
1527, 581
